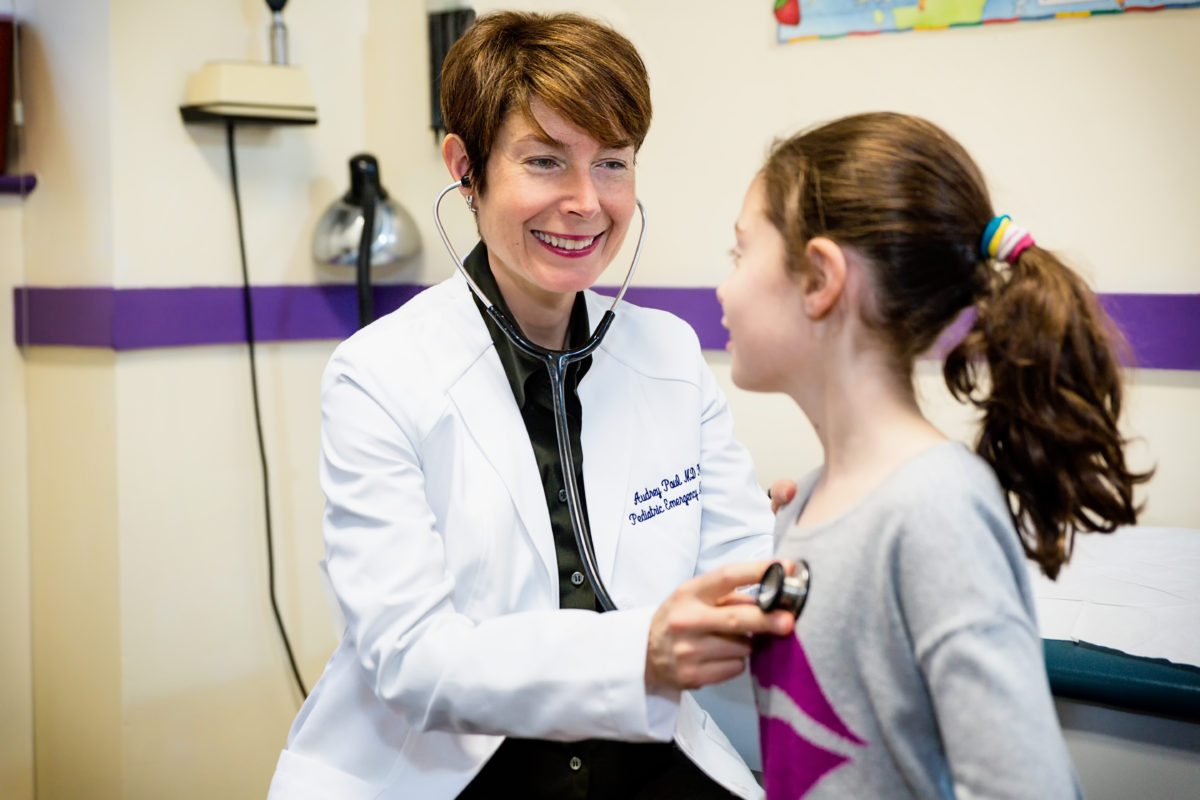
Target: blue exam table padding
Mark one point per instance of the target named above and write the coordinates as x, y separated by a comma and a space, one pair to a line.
1081, 671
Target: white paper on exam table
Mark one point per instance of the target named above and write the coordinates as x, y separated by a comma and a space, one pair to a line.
1136, 590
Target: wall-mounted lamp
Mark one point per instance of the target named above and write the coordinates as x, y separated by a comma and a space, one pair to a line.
366, 228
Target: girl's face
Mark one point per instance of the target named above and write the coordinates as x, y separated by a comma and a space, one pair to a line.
762, 303
556, 210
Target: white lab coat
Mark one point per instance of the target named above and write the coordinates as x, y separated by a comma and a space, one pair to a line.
440, 552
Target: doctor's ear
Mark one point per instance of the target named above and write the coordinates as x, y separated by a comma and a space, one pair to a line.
823, 283
454, 153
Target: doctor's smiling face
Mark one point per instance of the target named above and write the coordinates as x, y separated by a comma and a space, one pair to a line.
545, 113
556, 209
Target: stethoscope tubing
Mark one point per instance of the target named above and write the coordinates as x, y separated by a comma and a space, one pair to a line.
557, 362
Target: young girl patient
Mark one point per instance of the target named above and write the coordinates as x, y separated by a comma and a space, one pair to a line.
916, 668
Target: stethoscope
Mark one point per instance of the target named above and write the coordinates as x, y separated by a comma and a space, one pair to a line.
556, 362
777, 590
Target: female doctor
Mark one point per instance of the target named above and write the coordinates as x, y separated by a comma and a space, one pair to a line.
474, 662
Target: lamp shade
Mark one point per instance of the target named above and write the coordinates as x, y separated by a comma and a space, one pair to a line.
338, 234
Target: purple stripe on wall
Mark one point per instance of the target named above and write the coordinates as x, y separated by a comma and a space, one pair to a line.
1163, 329
78, 316
17, 184
138, 319
698, 306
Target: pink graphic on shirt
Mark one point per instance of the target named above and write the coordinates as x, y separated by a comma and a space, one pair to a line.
792, 765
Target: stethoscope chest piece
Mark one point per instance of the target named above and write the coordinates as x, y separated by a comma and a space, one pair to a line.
778, 590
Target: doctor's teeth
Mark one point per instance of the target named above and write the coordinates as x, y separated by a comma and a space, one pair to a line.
565, 244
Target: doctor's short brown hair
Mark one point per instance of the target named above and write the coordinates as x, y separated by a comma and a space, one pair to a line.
584, 71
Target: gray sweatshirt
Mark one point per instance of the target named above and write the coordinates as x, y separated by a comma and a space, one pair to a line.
916, 669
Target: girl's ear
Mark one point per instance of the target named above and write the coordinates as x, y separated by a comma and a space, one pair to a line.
454, 153
825, 280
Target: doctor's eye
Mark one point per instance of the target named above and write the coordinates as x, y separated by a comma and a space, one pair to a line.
541, 162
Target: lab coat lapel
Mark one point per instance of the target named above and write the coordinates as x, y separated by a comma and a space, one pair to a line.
605, 396
489, 413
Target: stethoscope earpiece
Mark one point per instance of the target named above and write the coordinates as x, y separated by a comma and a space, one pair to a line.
778, 590
466, 181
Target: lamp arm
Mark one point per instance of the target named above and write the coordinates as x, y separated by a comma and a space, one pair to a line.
366, 305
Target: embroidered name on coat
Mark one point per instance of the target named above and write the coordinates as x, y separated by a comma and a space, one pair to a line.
677, 490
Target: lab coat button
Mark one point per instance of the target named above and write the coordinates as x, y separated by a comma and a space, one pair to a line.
577, 578
562, 495
576, 764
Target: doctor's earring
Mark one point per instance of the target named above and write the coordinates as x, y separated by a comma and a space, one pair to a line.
471, 204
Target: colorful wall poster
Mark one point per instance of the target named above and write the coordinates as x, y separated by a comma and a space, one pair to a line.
801, 20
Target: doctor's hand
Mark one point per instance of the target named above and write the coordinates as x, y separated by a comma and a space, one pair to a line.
701, 633
781, 493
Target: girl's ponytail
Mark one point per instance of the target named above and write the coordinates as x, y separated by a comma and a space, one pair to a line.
1050, 415
1040, 360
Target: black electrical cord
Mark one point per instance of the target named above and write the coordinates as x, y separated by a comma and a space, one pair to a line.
262, 450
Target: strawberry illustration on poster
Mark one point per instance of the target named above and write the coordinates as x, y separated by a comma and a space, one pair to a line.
801, 20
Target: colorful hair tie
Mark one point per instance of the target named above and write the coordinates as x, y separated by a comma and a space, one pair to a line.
1003, 240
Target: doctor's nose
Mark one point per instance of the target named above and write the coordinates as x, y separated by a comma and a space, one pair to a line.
581, 198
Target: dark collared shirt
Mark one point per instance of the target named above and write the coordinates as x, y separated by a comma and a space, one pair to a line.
530, 384
593, 769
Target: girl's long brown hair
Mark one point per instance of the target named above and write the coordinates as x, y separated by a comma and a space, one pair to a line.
1040, 360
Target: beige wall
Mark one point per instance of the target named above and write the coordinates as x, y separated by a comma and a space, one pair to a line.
150, 614
16, 660
75, 544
